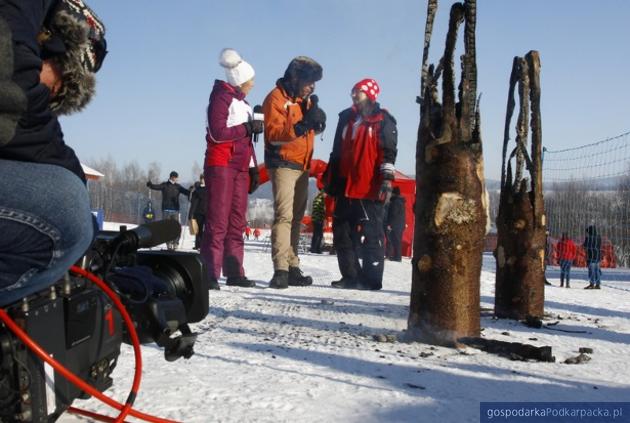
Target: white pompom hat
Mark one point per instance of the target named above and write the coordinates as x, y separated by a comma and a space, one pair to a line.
237, 70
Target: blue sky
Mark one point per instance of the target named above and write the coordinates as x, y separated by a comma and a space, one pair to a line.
153, 88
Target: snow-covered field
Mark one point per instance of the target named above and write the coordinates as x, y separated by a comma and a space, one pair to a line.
309, 354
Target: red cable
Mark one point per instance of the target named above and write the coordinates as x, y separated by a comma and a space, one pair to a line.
90, 414
135, 387
39, 351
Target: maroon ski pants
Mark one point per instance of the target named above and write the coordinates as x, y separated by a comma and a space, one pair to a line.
222, 244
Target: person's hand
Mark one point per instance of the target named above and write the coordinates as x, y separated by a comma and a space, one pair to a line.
314, 118
385, 192
317, 117
254, 127
254, 179
149, 184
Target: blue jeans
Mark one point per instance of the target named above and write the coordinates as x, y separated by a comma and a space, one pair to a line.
565, 270
45, 226
594, 273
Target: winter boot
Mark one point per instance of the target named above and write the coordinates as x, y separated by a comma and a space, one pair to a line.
213, 284
345, 283
364, 286
568, 284
561, 283
280, 279
297, 278
240, 281
590, 286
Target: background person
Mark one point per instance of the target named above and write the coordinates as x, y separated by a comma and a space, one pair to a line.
148, 215
359, 174
318, 216
566, 253
395, 225
230, 170
292, 118
593, 248
171, 190
45, 217
197, 211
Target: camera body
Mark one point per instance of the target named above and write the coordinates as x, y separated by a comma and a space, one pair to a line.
76, 323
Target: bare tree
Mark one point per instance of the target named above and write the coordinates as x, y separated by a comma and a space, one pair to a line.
521, 222
195, 171
451, 206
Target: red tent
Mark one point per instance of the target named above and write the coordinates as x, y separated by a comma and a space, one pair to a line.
406, 184
407, 187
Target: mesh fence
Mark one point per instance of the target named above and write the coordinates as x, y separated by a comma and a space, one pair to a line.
590, 185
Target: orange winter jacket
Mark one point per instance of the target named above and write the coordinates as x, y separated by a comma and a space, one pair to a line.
283, 148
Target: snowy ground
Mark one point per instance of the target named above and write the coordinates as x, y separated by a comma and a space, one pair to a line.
308, 354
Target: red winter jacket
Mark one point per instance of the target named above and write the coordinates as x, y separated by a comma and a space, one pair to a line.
361, 147
566, 250
226, 136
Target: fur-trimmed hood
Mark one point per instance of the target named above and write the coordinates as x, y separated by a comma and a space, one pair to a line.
79, 84
74, 39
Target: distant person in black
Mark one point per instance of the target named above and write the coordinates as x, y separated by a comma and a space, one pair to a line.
593, 248
318, 216
148, 214
197, 212
171, 191
395, 222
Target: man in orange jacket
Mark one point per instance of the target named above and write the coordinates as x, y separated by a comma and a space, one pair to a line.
292, 118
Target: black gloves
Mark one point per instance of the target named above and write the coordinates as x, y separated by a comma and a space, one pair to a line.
149, 184
385, 192
254, 177
253, 127
314, 118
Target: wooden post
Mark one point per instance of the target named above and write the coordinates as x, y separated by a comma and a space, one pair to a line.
451, 205
521, 226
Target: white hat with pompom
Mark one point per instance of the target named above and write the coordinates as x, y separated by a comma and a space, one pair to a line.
237, 70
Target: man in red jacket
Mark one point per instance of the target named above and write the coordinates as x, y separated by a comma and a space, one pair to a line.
360, 174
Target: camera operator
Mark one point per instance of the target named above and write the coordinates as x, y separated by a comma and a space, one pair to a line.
49, 52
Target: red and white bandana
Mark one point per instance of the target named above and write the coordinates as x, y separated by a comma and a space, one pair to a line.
369, 87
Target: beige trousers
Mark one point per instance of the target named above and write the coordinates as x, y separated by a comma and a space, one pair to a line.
290, 193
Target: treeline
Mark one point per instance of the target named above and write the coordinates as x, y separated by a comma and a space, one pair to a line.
122, 193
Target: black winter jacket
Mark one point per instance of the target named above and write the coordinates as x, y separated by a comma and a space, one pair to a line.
334, 183
592, 245
29, 131
198, 202
170, 194
396, 212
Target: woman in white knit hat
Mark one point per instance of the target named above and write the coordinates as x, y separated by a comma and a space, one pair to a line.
230, 170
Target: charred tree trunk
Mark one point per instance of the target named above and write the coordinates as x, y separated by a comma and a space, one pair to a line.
521, 226
450, 209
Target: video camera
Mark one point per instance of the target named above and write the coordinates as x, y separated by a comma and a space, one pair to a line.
75, 322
